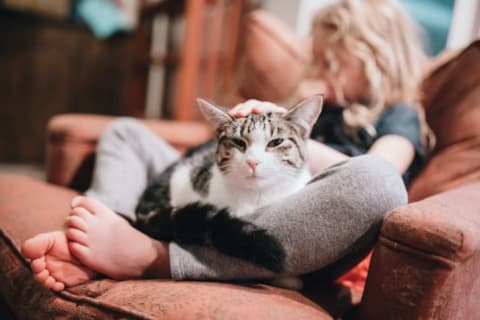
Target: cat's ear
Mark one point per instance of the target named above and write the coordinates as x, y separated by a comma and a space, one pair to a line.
305, 114
214, 114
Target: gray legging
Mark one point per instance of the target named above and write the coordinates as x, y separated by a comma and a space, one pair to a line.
333, 222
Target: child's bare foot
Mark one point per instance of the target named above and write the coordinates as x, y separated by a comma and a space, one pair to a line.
52, 263
103, 241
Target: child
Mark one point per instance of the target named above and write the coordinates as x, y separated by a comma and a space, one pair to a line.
367, 62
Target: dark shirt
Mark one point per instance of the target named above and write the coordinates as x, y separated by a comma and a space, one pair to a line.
398, 119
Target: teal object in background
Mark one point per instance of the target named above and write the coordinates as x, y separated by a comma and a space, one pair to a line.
102, 16
435, 17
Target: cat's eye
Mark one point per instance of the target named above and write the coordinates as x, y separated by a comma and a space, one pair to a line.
239, 143
275, 142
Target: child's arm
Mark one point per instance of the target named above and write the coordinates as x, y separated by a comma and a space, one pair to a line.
256, 107
396, 149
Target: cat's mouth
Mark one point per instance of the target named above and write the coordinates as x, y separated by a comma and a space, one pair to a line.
255, 176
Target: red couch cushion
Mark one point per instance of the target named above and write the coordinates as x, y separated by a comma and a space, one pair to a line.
28, 207
452, 103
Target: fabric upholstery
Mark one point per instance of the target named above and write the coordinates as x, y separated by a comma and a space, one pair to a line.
46, 209
426, 263
435, 256
452, 103
453, 163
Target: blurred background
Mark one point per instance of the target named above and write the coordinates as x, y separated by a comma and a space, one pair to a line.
147, 58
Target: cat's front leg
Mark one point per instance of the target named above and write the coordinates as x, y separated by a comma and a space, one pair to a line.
156, 224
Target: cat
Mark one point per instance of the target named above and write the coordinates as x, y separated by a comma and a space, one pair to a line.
255, 160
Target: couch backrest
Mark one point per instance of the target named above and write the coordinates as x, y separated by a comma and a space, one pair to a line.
452, 104
452, 96
272, 59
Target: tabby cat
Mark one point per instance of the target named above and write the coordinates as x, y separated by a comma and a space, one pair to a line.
255, 160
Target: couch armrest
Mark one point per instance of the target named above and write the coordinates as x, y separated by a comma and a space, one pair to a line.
72, 138
426, 263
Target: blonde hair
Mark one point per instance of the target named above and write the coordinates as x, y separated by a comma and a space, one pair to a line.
384, 38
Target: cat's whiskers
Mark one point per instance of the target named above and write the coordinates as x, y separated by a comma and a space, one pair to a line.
255, 161
260, 198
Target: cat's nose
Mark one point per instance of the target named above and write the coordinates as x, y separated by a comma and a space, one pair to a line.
253, 163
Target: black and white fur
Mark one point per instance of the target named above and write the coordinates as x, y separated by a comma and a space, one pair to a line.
254, 161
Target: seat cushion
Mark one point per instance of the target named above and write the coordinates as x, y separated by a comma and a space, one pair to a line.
28, 207
452, 103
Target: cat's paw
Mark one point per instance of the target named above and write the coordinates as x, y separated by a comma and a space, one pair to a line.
293, 283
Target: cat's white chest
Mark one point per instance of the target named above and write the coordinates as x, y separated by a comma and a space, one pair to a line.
181, 189
238, 201
219, 194
242, 200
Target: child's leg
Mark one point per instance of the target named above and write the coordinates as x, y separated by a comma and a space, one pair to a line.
336, 218
128, 155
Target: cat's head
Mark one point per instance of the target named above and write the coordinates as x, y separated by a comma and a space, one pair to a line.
263, 148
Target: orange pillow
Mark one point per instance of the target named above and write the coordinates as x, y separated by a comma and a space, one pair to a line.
357, 276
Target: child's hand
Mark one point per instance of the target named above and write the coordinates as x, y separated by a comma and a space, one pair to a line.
256, 107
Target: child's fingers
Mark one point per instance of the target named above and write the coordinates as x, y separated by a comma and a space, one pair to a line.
256, 110
265, 107
275, 108
243, 109
255, 107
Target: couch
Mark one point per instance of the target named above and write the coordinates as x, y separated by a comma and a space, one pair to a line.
424, 265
